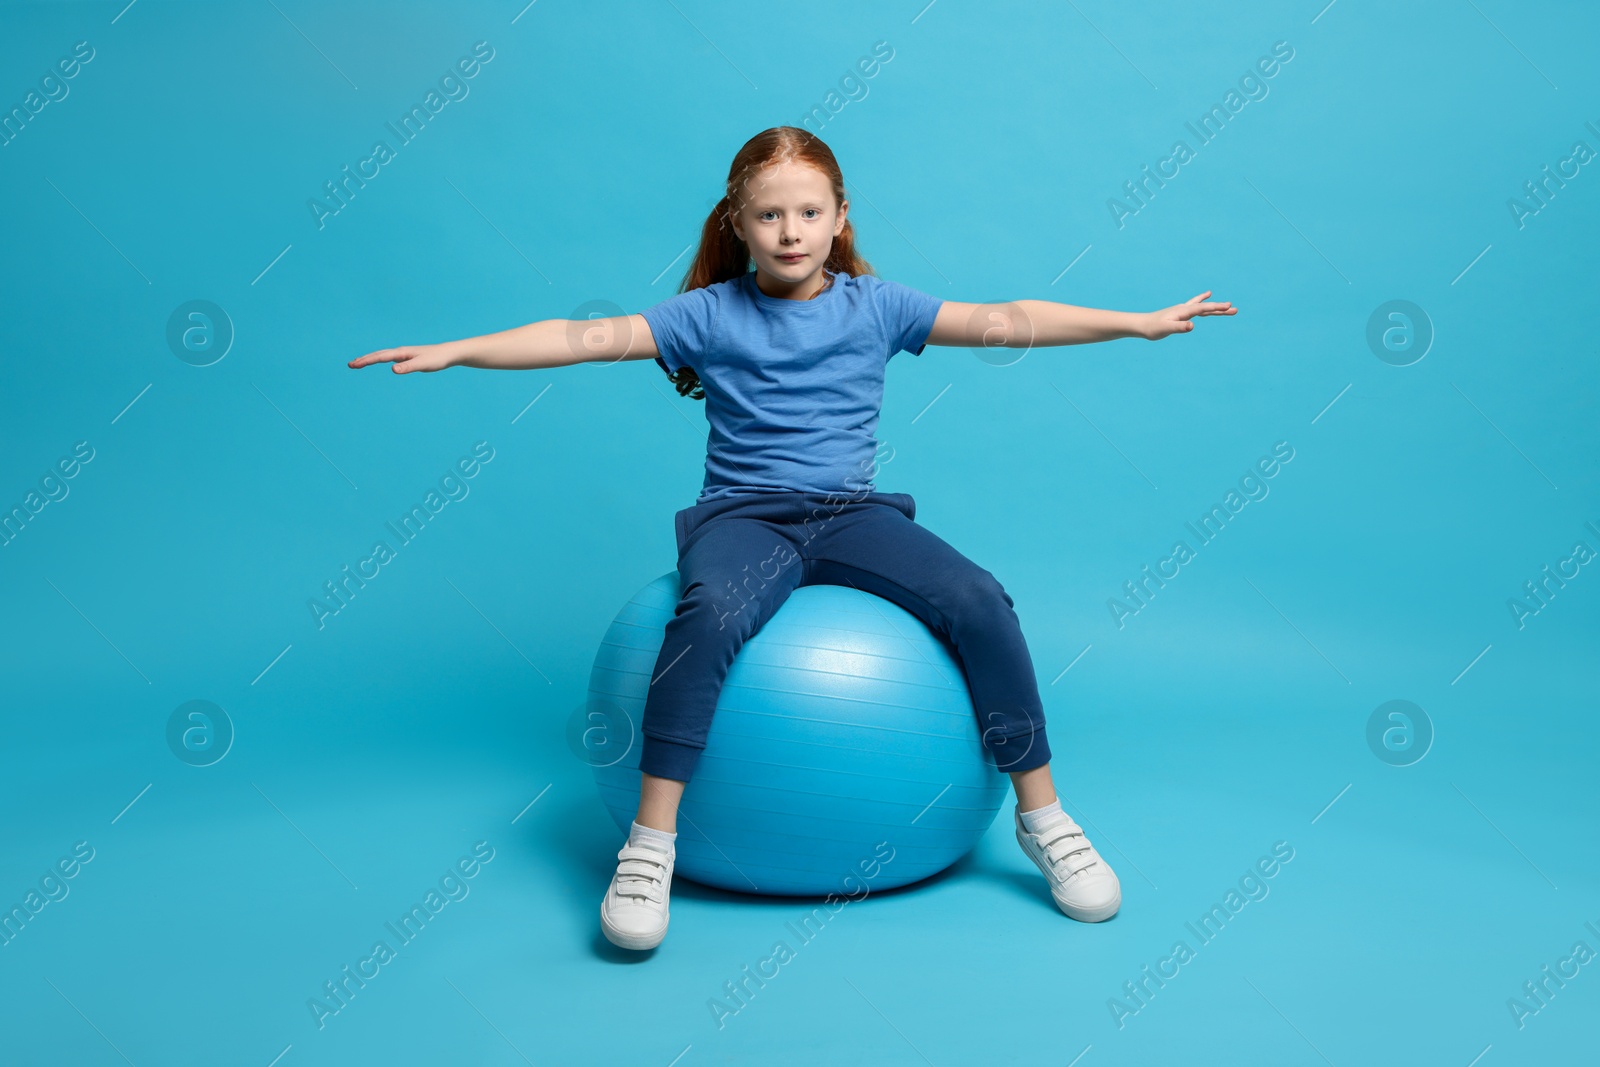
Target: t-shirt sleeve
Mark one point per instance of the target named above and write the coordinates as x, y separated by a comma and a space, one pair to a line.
683, 327
907, 315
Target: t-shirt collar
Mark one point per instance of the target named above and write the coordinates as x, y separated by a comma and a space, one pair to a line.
768, 301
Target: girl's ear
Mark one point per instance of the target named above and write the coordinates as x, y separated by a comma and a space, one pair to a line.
844, 211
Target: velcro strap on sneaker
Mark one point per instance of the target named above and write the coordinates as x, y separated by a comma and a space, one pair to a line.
641, 868
643, 852
641, 872
1061, 846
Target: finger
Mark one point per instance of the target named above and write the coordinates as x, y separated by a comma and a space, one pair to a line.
380, 356
1197, 299
412, 366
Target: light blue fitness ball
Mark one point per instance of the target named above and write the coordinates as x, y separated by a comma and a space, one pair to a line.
844, 754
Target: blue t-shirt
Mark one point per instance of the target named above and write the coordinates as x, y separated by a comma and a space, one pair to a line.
793, 387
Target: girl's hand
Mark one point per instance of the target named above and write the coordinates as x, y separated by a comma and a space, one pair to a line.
1175, 319
410, 358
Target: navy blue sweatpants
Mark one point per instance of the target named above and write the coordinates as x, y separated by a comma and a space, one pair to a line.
740, 557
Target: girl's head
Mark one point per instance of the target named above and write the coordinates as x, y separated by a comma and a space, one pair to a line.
788, 215
784, 195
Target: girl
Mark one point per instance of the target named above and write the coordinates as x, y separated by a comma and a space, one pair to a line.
790, 359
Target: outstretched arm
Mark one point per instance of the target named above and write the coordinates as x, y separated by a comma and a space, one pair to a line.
536, 346
1043, 323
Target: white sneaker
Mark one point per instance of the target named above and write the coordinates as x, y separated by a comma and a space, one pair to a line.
1081, 881
634, 912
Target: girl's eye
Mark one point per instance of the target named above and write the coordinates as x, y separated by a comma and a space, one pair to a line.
812, 209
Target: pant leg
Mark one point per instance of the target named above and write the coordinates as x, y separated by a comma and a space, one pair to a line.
738, 561
875, 545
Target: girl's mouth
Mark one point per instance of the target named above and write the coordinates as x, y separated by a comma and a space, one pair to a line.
792, 257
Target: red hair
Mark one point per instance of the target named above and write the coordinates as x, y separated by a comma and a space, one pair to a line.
722, 255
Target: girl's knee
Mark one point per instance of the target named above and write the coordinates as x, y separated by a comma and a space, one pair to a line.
712, 611
977, 593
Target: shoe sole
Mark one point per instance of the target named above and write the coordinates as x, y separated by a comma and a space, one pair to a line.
636, 942
1083, 915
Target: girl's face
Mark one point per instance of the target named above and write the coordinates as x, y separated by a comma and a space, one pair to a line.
789, 221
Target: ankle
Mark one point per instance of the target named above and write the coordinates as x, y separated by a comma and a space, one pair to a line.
1034, 788
1034, 802
640, 834
1033, 821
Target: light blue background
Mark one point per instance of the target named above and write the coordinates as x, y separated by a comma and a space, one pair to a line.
431, 712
